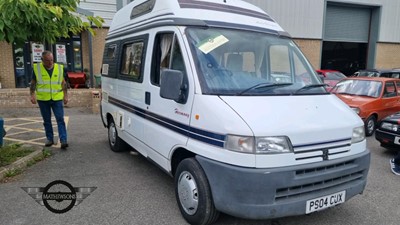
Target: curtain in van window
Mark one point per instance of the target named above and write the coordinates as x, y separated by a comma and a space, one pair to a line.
166, 42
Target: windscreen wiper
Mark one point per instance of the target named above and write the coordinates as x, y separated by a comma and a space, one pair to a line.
310, 86
263, 85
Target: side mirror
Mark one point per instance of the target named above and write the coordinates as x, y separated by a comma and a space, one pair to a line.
172, 87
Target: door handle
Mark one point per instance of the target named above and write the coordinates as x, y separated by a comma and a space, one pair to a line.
147, 98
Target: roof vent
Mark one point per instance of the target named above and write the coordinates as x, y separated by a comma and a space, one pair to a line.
143, 8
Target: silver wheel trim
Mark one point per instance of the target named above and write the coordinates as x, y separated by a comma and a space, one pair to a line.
188, 194
370, 126
112, 134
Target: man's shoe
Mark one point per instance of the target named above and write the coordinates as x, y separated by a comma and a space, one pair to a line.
64, 145
48, 143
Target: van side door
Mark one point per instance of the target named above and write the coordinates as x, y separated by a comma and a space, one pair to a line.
169, 119
127, 92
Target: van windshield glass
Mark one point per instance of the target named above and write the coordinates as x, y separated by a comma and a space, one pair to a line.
234, 62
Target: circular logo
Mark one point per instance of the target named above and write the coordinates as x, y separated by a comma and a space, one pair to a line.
59, 196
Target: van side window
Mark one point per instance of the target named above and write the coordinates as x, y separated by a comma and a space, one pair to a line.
111, 51
167, 55
284, 72
131, 63
280, 64
109, 67
398, 87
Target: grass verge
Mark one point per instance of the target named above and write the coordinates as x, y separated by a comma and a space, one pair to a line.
15, 158
45, 153
12, 152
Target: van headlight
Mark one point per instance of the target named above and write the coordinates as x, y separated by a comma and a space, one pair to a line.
258, 145
358, 135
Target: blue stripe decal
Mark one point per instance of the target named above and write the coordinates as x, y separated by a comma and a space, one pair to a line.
191, 132
322, 143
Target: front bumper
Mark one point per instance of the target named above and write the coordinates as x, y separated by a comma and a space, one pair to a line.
387, 139
255, 193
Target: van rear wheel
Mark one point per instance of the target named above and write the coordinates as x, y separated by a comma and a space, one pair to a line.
116, 143
193, 193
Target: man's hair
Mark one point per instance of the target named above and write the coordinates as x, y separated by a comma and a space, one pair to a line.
46, 52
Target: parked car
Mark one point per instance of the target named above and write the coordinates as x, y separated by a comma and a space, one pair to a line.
344, 65
391, 73
371, 98
330, 77
388, 132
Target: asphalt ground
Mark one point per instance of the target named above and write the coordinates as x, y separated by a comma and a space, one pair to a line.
128, 189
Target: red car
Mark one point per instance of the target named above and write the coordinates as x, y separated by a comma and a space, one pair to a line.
330, 77
372, 98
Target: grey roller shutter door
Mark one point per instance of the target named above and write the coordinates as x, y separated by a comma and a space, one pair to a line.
347, 24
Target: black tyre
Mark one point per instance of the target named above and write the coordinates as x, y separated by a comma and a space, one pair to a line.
370, 125
116, 143
193, 193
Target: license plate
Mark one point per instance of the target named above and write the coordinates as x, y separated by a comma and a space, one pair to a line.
397, 140
324, 202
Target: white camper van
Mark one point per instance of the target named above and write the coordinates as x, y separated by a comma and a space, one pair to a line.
217, 94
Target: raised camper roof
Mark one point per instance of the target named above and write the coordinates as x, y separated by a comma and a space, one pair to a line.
145, 14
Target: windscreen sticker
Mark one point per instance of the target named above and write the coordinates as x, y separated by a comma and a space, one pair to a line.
212, 43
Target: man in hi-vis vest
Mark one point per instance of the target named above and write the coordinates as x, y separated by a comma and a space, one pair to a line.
49, 90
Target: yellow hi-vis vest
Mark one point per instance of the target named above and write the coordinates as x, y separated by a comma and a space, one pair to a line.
49, 88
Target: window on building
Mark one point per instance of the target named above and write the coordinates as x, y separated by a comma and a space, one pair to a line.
77, 54
21, 77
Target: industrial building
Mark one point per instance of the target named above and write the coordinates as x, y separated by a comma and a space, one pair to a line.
345, 35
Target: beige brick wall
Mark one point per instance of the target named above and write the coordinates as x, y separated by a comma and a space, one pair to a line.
7, 74
387, 55
312, 50
20, 98
98, 42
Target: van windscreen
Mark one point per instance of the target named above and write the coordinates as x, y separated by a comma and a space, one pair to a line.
236, 62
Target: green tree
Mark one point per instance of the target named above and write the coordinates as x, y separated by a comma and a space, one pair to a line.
42, 20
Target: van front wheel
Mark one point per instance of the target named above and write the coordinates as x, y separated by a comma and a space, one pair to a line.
193, 193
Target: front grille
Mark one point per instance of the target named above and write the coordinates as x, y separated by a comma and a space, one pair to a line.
324, 168
322, 151
287, 193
